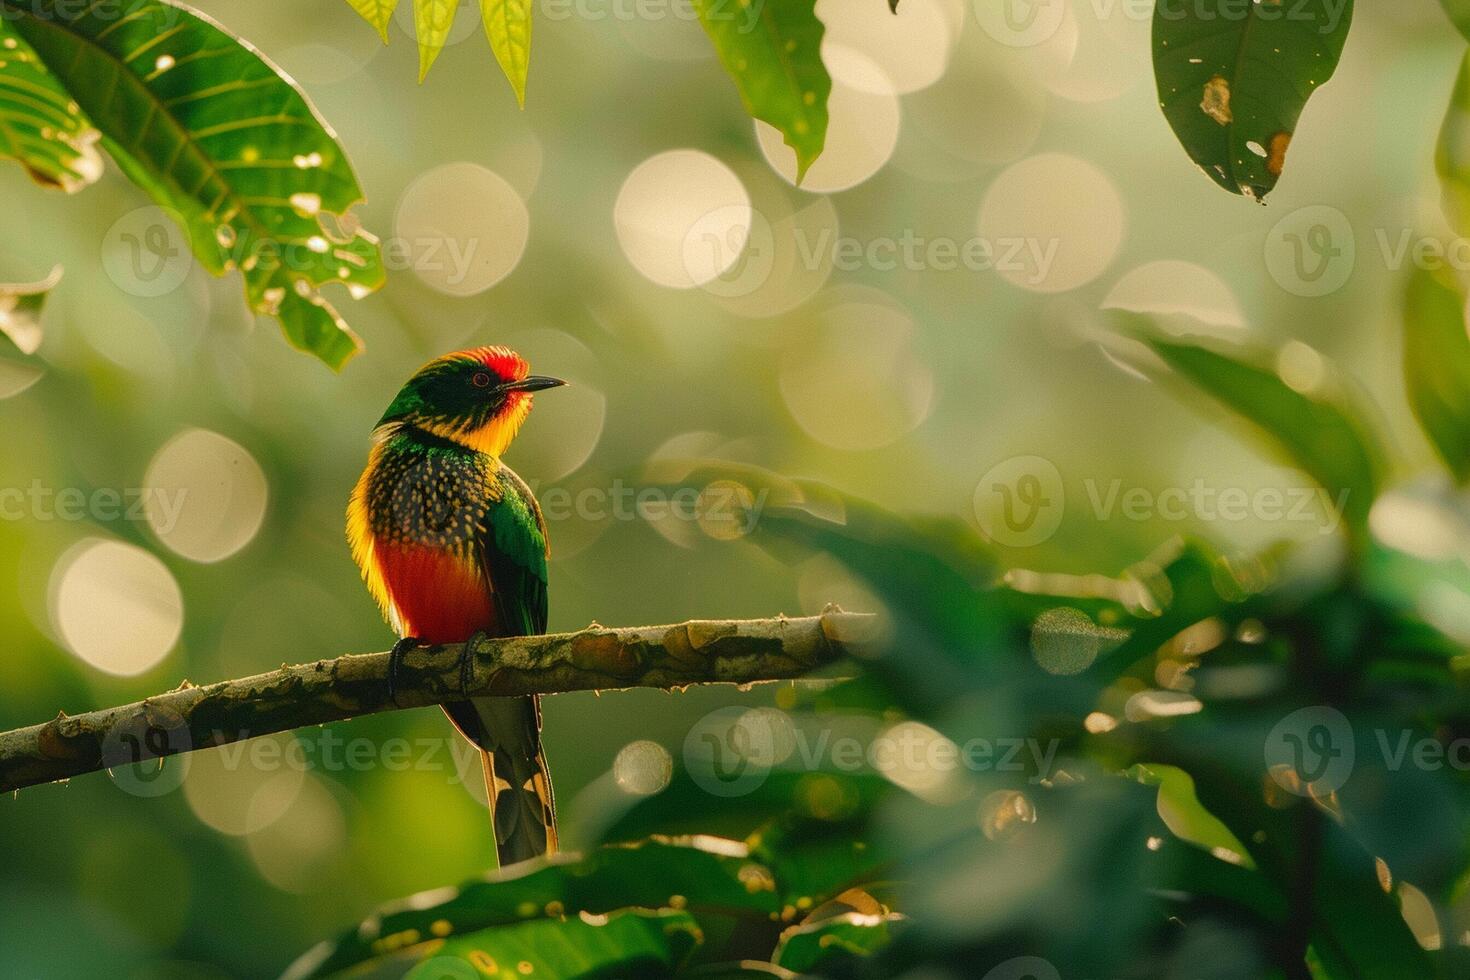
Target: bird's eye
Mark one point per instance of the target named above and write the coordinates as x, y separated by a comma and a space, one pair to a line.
481, 379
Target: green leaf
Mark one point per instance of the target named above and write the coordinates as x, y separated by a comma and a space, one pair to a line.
432, 20
179, 103
1452, 155
773, 51
20, 311
1182, 812
39, 127
379, 13
627, 943
1459, 12
1437, 367
1318, 429
807, 946
705, 876
1233, 78
508, 26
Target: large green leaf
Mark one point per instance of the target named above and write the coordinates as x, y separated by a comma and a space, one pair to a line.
212, 130
1319, 429
1437, 367
39, 126
773, 51
508, 26
1233, 78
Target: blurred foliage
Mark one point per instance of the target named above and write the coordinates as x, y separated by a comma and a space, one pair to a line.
1164, 835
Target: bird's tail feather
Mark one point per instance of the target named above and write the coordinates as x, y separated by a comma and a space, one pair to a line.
517, 780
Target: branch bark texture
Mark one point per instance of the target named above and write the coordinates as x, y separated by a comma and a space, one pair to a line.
593, 659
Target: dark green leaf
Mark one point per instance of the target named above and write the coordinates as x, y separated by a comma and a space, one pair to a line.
1437, 367
1459, 12
773, 51
211, 130
1233, 78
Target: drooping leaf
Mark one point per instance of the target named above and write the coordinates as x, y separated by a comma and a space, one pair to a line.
379, 13
1234, 77
508, 26
179, 103
1319, 429
20, 311
39, 127
1437, 367
773, 51
807, 946
1452, 155
432, 20
1181, 810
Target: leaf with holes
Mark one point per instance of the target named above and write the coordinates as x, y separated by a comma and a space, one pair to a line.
1234, 77
210, 129
39, 125
773, 51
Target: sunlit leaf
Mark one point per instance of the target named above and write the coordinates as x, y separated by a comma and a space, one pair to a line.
1437, 367
1182, 811
627, 943
39, 125
379, 13
508, 26
706, 874
1319, 429
1234, 77
211, 130
806, 947
773, 51
20, 311
432, 20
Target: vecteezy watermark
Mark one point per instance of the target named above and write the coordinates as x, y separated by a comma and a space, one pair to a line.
731, 751
1315, 750
39, 502
732, 251
1027, 23
145, 253
1020, 502
1314, 251
105, 11
720, 503
745, 14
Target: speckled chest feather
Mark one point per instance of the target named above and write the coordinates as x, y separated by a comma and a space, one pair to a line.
431, 495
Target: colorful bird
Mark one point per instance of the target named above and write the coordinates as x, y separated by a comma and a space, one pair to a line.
451, 543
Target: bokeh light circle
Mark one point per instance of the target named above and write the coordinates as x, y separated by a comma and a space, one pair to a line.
1056, 220
206, 495
115, 606
682, 218
461, 228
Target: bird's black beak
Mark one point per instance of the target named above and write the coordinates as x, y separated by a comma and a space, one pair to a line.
533, 383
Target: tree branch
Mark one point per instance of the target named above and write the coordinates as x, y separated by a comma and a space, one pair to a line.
593, 659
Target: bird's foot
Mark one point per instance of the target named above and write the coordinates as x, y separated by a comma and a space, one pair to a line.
467, 660
395, 663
